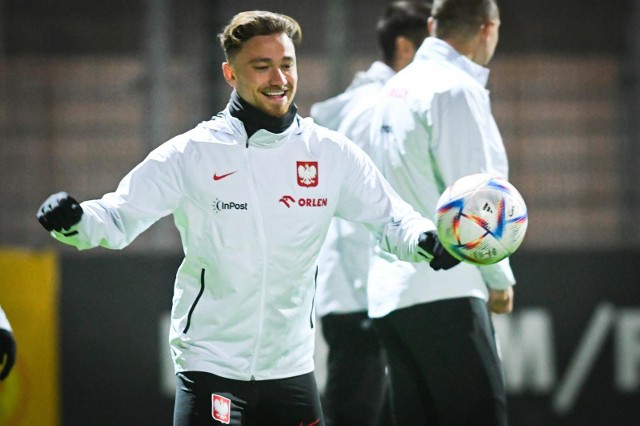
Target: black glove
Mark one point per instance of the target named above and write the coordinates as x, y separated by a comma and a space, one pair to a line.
7, 352
59, 211
428, 242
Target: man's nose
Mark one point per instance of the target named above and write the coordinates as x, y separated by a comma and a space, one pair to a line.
278, 77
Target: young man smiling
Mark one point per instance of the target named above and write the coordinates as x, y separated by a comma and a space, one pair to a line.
242, 323
264, 73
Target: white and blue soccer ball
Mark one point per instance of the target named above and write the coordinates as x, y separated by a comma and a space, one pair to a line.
481, 219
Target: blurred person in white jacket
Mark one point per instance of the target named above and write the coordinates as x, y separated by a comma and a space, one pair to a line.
432, 125
252, 192
355, 391
7, 346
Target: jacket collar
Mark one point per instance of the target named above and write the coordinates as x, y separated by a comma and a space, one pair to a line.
226, 123
378, 72
330, 112
439, 50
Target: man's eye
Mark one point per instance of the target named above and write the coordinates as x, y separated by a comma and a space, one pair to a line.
261, 67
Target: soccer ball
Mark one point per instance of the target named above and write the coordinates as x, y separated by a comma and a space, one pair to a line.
481, 219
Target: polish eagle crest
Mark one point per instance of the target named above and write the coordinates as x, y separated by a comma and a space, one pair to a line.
307, 173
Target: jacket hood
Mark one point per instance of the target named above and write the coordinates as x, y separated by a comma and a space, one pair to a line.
436, 49
328, 113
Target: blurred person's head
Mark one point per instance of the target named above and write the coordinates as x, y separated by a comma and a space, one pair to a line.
261, 59
401, 30
470, 26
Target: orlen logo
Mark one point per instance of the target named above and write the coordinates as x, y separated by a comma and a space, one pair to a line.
288, 201
219, 205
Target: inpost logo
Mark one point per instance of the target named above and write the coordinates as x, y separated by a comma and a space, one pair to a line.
219, 205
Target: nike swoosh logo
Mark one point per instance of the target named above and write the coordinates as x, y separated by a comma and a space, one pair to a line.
218, 177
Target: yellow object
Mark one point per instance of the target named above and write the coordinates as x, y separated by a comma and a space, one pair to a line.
30, 395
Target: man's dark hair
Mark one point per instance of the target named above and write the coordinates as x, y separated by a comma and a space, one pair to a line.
246, 25
462, 18
402, 18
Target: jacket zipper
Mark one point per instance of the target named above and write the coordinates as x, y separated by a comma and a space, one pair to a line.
195, 302
263, 290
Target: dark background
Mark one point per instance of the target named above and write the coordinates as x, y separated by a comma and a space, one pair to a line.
111, 364
76, 27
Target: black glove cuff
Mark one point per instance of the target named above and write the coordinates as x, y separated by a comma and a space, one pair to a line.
442, 259
427, 241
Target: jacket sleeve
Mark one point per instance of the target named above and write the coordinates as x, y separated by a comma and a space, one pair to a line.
147, 193
368, 198
463, 118
498, 276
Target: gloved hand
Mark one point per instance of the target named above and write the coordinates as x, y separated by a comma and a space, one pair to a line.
7, 352
429, 246
59, 211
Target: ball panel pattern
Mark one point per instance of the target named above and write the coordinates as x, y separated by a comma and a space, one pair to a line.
481, 219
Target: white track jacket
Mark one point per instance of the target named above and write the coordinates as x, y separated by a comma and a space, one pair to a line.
343, 265
431, 126
252, 216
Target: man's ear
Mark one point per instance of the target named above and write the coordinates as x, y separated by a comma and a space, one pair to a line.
405, 51
228, 74
485, 29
